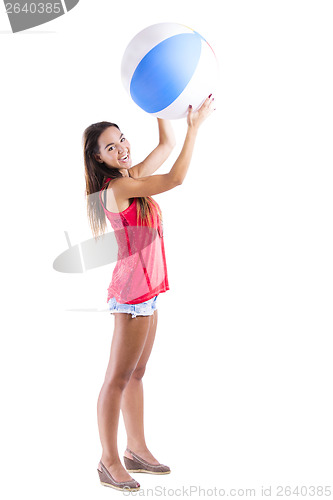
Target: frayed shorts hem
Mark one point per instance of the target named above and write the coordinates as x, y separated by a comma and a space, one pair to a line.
142, 309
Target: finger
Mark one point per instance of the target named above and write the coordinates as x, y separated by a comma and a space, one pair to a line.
209, 99
189, 113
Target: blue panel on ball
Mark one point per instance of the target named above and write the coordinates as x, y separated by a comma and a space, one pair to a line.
163, 73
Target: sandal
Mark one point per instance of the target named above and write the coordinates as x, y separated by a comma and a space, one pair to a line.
107, 480
138, 464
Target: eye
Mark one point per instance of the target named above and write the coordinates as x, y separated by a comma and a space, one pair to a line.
123, 139
111, 148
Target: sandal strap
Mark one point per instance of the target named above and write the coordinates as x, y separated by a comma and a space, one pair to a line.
141, 460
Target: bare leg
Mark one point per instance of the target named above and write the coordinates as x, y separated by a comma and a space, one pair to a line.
132, 401
127, 345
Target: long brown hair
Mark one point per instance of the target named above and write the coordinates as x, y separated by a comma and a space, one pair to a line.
97, 173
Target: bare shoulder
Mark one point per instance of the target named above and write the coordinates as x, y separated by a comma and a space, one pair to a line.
116, 201
121, 183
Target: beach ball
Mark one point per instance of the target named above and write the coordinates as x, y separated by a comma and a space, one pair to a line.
166, 67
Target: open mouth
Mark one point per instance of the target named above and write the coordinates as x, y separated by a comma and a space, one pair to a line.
124, 158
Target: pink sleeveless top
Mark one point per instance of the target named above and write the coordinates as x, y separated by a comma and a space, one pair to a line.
141, 271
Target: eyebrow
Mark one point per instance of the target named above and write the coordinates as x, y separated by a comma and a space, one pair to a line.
112, 143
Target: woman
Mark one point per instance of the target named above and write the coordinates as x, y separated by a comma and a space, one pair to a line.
124, 197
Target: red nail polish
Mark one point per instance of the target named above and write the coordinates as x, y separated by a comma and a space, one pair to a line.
210, 95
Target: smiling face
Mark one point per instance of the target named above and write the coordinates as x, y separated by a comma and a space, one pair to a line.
114, 150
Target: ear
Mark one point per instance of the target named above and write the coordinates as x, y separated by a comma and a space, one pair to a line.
98, 158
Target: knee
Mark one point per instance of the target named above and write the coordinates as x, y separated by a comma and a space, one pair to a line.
117, 382
138, 373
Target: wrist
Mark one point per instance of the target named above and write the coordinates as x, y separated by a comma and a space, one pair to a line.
192, 128
166, 133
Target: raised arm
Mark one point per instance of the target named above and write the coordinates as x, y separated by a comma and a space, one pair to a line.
127, 187
160, 154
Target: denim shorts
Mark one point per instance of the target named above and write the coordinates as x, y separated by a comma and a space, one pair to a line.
142, 309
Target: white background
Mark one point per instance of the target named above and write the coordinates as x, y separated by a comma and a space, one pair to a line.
238, 390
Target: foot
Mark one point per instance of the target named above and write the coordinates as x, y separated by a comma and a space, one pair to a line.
142, 453
117, 471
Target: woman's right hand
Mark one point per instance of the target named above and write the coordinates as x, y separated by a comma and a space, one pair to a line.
195, 118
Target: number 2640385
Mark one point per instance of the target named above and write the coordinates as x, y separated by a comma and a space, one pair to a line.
33, 8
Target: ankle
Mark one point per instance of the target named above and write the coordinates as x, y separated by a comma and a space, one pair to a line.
109, 461
137, 447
